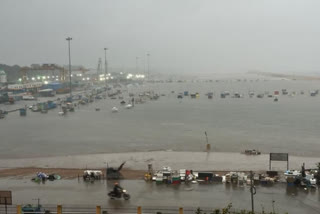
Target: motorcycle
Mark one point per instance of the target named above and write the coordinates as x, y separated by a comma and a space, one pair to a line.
123, 194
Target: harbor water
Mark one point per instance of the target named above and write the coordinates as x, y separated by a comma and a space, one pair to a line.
232, 124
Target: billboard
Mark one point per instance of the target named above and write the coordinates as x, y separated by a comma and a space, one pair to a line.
5, 197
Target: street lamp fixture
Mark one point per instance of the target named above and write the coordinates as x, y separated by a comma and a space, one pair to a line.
105, 66
148, 61
137, 65
69, 39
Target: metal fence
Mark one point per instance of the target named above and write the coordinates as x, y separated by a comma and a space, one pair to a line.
88, 209
92, 209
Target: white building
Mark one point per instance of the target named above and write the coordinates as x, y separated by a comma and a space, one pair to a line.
3, 77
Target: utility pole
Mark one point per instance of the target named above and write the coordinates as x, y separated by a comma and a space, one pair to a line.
69, 39
252, 191
99, 67
148, 65
105, 66
137, 58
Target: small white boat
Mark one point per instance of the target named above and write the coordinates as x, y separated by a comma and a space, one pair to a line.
28, 97
129, 106
114, 109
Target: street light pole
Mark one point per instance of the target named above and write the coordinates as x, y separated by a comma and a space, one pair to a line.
69, 39
105, 66
252, 191
137, 58
148, 64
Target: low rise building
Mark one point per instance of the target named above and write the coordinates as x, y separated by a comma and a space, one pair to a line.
3, 77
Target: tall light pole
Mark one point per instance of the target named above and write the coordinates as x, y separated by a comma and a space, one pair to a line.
252, 191
137, 58
69, 39
148, 64
105, 66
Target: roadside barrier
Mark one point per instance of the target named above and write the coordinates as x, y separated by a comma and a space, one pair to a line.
80, 209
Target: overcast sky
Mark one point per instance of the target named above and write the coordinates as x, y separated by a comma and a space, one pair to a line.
181, 35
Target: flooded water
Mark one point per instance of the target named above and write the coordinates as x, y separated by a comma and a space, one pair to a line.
233, 124
150, 195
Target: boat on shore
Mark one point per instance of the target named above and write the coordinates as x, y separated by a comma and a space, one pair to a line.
28, 97
129, 106
252, 152
115, 109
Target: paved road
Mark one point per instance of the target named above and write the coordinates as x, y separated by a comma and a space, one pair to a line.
72, 193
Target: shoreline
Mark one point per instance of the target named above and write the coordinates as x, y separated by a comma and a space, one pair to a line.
18, 157
73, 173
65, 173
216, 161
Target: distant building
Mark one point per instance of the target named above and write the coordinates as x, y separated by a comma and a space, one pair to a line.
35, 66
3, 76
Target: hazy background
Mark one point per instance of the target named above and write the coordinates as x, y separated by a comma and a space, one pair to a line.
181, 36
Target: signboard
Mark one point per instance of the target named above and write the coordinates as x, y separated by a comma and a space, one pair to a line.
279, 157
5, 197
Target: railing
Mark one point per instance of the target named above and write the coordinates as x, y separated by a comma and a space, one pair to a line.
80, 209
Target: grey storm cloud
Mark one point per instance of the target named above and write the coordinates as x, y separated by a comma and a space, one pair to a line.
180, 35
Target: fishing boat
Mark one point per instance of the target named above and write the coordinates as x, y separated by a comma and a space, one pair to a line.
193, 96
35, 108
252, 152
251, 94
260, 95
129, 106
114, 109
2, 114
28, 97
236, 95
313, 93
284, 91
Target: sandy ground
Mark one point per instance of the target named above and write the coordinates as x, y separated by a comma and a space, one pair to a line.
28, 172
214, 161
137, 163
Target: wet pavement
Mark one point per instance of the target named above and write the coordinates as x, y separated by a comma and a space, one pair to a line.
74, 193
